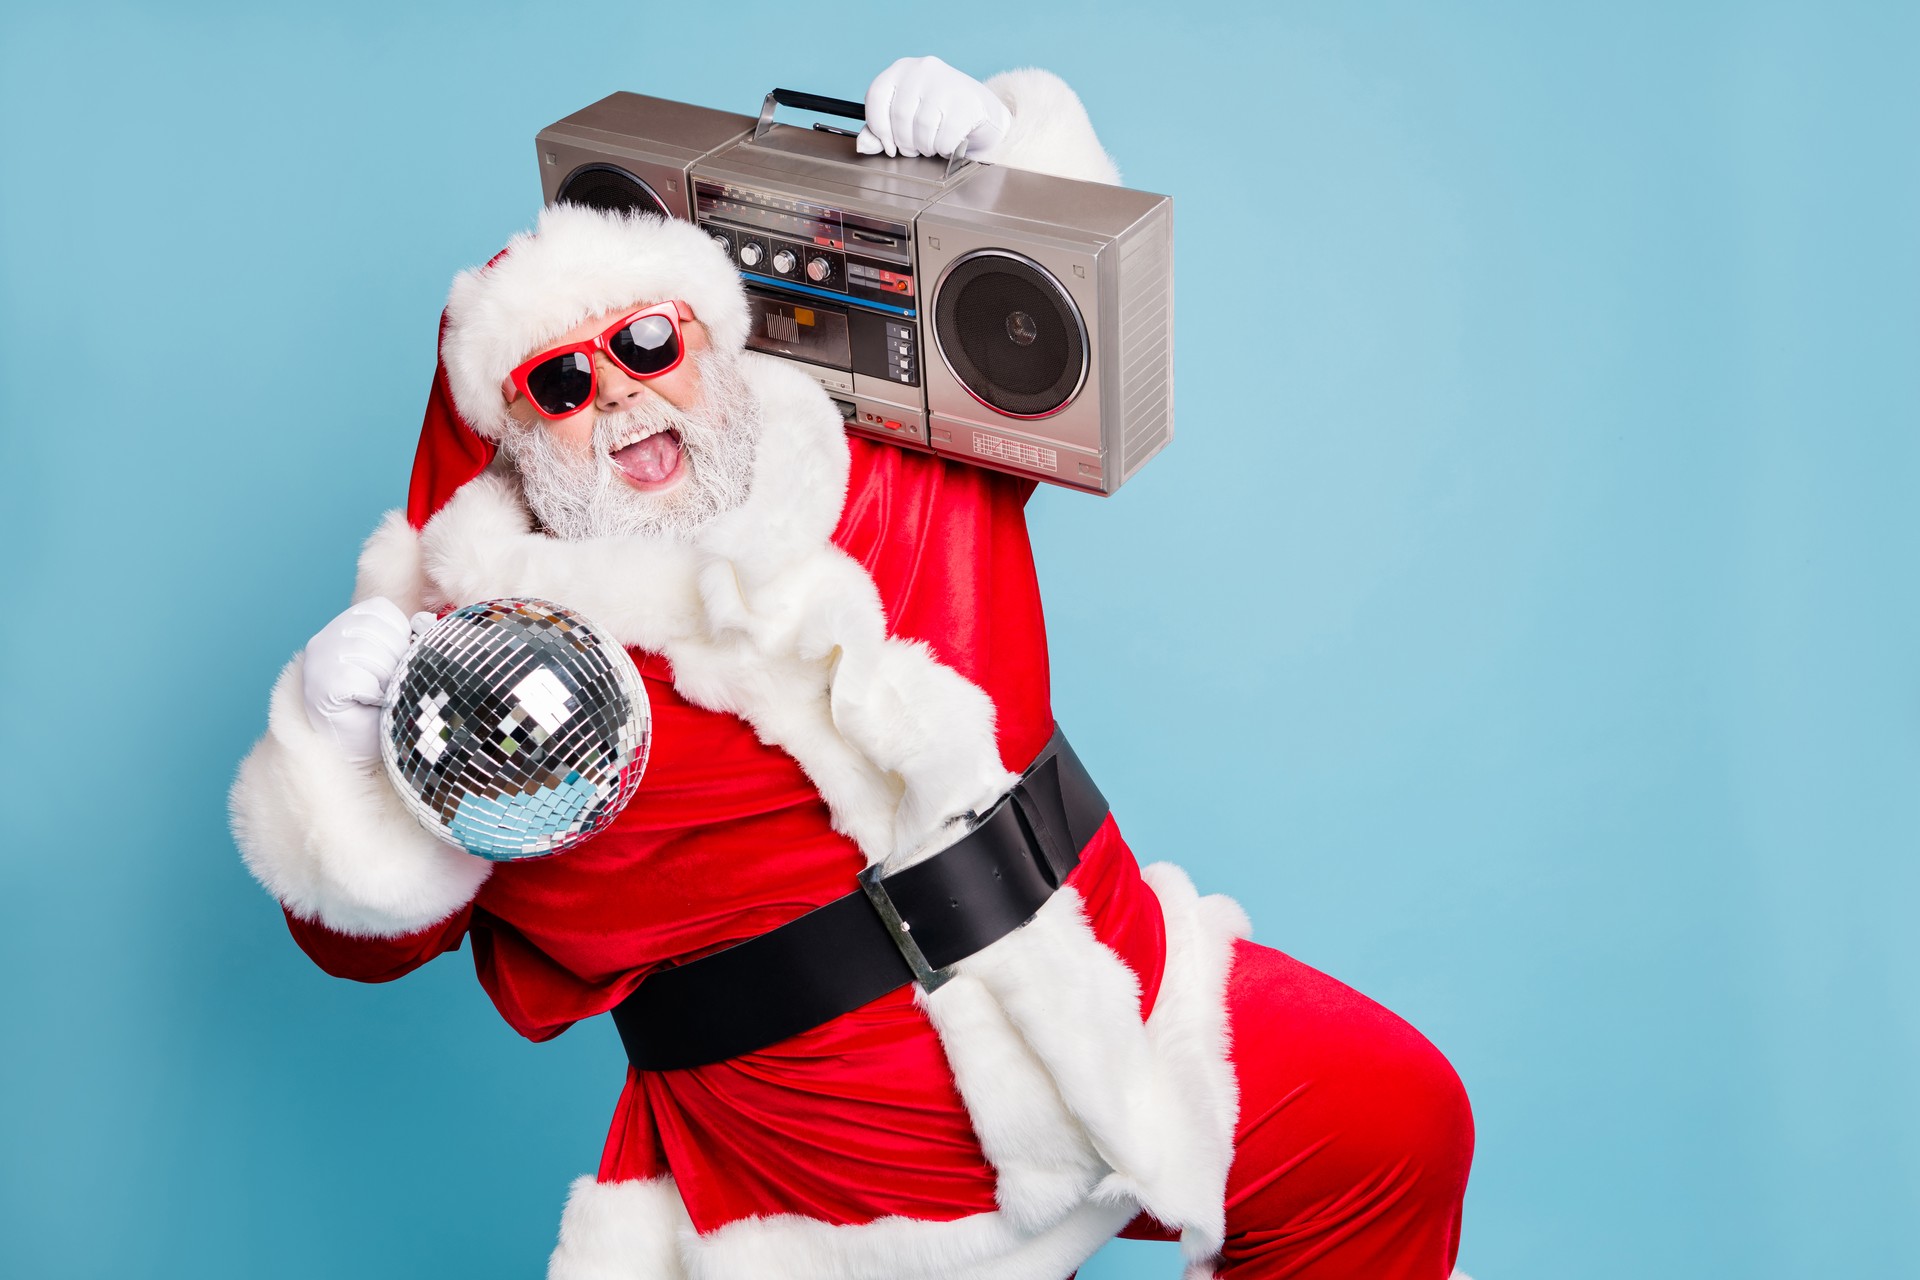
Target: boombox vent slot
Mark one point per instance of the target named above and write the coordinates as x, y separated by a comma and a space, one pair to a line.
1034, 457
1010, 333
610, 188
1146, 338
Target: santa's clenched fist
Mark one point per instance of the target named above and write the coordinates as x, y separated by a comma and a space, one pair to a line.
346, 672
923, 107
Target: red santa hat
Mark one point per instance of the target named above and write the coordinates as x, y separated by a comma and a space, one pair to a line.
575, 263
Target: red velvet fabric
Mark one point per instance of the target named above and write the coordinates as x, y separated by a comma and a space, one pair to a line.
1354, 1139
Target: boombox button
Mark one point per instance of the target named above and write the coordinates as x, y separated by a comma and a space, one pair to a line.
891, 425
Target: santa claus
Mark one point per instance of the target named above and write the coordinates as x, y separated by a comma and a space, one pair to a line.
844, 649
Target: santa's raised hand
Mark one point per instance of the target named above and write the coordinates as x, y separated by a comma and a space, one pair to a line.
347, 669
923, 107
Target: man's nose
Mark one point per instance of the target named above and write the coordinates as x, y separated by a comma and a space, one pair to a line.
615, 388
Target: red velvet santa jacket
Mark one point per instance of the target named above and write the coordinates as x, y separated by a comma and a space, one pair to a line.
836, 669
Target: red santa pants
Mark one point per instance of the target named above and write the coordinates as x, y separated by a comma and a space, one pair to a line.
1354, 1138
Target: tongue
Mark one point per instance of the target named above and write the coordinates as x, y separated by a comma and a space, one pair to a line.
652, 460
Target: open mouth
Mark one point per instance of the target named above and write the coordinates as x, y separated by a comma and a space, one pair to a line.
649, 459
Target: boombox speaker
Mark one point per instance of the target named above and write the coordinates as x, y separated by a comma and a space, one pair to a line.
1052, 324
631, 153
1009, 319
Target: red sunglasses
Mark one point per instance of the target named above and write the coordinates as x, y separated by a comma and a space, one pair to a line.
646, 343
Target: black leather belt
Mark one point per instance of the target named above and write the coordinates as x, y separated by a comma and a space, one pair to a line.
911, 926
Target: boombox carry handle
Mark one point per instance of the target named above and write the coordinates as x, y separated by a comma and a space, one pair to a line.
806, 102
842, 107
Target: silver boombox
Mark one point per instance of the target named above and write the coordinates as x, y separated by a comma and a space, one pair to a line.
1005, 318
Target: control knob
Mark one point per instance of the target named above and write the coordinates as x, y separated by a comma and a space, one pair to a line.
750, 254
726, 245
784, 261
818, 269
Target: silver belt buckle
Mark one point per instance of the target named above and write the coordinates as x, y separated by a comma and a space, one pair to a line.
929, 978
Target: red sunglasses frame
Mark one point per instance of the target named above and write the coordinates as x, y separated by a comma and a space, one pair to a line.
677, 314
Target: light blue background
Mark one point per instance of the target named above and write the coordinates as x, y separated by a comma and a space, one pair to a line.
1523, 625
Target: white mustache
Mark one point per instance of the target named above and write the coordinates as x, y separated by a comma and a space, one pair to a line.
616, 431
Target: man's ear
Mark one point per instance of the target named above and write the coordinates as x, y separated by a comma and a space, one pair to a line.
508, 391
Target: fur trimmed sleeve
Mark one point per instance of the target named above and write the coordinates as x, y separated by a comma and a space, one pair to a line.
331, 840
391, 565
1051, 132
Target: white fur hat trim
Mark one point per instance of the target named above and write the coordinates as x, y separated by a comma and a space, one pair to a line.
577, 262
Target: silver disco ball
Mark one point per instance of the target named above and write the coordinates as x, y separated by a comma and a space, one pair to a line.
514, 729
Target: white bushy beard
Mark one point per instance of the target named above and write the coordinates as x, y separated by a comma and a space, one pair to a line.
582, 495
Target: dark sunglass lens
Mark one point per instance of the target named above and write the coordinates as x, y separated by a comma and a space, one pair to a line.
646, 346
562, 384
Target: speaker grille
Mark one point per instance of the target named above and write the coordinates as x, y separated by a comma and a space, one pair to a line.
609, 187
1010, 333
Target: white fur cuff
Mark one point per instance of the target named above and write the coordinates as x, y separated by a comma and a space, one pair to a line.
391, 565
1051, 132
331, 840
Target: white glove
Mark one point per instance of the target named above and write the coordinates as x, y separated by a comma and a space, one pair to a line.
345, 676
923, 107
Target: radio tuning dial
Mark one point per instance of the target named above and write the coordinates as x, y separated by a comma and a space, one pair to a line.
784, 261
818, 269
750, 254
724, 244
